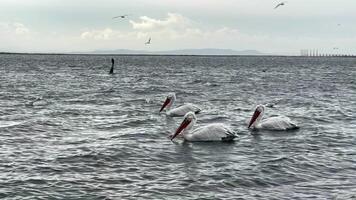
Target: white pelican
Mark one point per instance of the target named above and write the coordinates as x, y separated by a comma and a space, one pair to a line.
212, 132
179, 111
273, 123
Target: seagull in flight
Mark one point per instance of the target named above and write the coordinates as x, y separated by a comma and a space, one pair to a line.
120, 16
280, 4
148, 42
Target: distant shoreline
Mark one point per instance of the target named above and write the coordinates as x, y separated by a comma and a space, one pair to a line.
123, 54
197, 55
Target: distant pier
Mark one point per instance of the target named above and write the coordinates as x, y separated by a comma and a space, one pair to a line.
316, 53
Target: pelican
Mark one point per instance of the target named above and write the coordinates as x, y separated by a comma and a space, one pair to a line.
120, 16
179, 111
148, 42
273, 123
280, 4
212, 132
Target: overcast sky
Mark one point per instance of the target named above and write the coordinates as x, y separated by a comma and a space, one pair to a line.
86, 25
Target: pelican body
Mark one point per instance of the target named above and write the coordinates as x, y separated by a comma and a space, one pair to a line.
212, 132
179, 111
280, 123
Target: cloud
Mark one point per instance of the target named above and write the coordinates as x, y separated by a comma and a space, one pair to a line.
21, 29
173, 31
14, 36
14, 28
105, 34
175, 27
172, 27
173, 21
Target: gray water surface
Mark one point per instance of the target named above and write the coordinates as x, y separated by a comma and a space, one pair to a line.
90, 135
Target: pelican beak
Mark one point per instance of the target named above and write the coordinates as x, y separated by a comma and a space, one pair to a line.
254, 117
182, 126
165, 104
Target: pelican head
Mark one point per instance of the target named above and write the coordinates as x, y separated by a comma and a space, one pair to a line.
188, 122
257, 115
171, 97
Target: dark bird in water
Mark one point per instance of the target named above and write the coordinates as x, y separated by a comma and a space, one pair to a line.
280, 4
148, 42
120, 16
112, 66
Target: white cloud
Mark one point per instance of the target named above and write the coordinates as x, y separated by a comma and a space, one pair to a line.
14, 28
105, 34
20, 29
176, 27
14, 35
172, 27
173, 21
174, 31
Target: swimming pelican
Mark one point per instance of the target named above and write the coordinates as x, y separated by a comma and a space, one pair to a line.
212, 132
273, 123
179, 111
280, 4
148, 42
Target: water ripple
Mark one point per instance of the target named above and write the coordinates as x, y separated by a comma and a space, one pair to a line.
70, 130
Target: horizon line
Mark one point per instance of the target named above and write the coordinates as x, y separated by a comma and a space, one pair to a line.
138, 54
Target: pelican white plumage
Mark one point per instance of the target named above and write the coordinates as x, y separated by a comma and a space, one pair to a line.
179, 111
278, 123
212, 132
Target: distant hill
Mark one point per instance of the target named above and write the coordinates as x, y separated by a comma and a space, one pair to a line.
209, 51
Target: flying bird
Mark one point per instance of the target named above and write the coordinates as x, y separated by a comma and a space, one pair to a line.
120, 16
280, 4
148, 42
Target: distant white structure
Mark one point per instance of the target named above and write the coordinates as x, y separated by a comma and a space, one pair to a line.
316, 53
